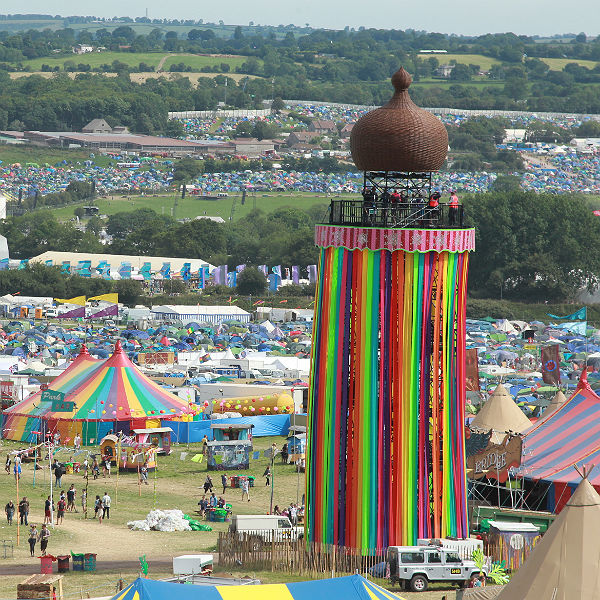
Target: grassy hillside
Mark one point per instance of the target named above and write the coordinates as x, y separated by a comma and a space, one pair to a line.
95, 59
191, 207
133, 59
198, 62
10, 154
485, 62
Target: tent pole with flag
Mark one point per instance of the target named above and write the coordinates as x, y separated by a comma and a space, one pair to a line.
551, 365
80, 300
74, 313
112, 310
578, 315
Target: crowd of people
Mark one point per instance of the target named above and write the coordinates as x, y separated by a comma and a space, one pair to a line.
62, 501
389, 207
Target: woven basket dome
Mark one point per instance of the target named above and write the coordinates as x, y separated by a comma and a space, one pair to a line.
399, 136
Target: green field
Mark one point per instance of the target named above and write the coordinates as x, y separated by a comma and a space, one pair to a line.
191, 207
95, 59
558, 64
133, 59
479, 82
10, 154
198, 62
486, 62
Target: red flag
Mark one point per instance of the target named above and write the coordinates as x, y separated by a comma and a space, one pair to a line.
472, 370
551, 365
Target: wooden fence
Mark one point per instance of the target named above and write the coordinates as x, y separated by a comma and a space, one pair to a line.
254, 552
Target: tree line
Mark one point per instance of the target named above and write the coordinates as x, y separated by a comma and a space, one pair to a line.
335, 66
530, 247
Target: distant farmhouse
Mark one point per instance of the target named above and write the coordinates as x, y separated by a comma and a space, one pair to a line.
97, 126
322, 126
82, 49
444, 71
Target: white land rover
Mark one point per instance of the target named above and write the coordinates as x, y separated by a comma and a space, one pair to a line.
417, 566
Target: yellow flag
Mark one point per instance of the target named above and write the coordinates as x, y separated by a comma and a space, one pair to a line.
77, 300
112, 298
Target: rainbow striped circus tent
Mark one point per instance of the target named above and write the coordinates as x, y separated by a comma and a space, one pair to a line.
110, 394
353, 587
569, 437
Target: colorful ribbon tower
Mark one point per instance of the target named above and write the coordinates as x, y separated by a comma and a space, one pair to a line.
385, 456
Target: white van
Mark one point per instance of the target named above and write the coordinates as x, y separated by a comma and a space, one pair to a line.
268, 527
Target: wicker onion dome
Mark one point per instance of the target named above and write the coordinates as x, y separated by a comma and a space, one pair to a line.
399, 136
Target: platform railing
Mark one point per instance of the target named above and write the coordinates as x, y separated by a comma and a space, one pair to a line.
401, 215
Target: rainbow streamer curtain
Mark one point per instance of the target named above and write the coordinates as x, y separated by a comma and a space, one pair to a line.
386, 462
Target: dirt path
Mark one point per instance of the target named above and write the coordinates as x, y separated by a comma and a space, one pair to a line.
157, 565
162, 61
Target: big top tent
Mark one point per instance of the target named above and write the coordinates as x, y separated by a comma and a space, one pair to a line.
105, 395
21, 420
568, 437
352, 587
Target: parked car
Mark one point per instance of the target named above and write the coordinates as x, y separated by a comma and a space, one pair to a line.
417, 566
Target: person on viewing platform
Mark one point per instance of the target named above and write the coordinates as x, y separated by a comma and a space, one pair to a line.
453, 210
395, 197
434, 200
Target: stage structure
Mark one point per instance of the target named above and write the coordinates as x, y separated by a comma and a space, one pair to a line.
386, 450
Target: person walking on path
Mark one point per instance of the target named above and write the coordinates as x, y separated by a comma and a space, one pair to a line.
77, 442
58, 473
224, 481
47, 510
60, 513
24, 511
44, 537
17, 469
106, 504
107, 466
71, 499
33, 538
144, 473
267, 476
208, 485
245, 484
98, 509
7, 463
9, 509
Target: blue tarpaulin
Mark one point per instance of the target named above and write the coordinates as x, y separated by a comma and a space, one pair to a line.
194, 431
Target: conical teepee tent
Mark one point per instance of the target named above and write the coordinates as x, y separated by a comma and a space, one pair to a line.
564, 564
556, 403
32, 414
500, 414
